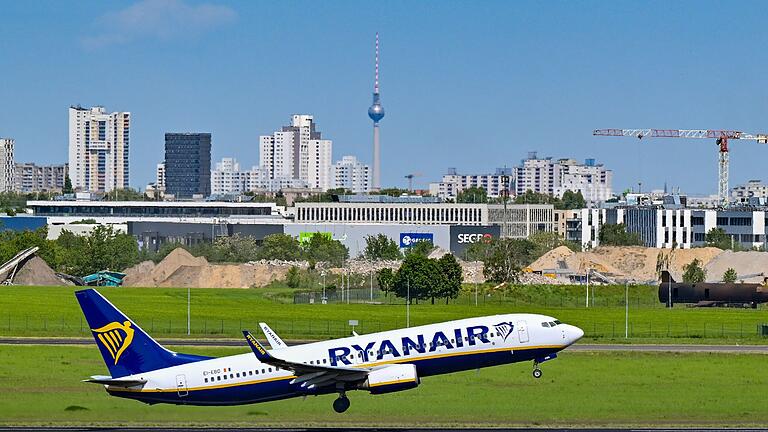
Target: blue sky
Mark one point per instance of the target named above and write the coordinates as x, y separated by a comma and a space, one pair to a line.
472, 85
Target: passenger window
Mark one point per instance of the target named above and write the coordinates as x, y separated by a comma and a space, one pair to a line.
206, 380
269, 370
231, 376
218, 378
238, 374
250, 372
262, 371
323, 361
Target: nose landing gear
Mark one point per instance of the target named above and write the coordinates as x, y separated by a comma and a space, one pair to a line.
341, 404
536, 371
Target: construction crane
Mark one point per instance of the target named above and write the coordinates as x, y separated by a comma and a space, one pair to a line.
721, 138
410, 180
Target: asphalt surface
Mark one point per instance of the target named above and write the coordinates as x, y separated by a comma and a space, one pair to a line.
680, 348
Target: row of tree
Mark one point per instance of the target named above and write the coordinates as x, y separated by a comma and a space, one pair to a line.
423, 278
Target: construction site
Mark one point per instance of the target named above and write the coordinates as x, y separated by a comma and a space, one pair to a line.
607, 265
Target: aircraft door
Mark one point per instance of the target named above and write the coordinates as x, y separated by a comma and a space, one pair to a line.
181, 385
522, 331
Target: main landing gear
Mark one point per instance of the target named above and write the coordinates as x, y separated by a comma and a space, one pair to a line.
536, 370
341, 404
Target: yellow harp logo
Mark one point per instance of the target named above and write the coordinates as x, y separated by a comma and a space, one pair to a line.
115, 337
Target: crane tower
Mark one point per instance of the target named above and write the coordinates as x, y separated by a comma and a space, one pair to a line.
721, 138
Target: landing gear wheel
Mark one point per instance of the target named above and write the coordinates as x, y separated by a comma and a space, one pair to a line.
341, 404
537, 373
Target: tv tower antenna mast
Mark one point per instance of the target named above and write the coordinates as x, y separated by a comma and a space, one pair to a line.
376, 113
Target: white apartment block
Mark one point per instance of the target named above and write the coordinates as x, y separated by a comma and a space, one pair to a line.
297, 152
160, 176
226, 178
31, 178
453, 183
98, 149
551, 177
351, 174
7, 165
752, 189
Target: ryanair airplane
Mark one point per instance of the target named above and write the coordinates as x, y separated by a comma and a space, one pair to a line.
383, 362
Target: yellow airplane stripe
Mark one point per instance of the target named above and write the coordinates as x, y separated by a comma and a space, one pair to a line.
394, 361
393, 382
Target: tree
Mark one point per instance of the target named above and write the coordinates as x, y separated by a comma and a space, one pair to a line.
386, 279
617, 235
454, 276
505, 259
716, 237
293, 277
730, 276
381, 247
472, 195
531, 197
323, 249
280, 247
127, 194
237, 248
419, 276
67, 185
571, 200
423, 248
694, 272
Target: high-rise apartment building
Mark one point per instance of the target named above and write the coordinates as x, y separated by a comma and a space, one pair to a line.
31, 178
160, 176
227, 178
98, 149
452, 183
349, 173
297, 154
554, 177
188, 164
7, 165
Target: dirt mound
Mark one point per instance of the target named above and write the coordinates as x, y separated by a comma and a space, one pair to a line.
745, 263
182, 269
35, 271
626, 262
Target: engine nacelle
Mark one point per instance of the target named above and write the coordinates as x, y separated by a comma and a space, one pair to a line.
391, 379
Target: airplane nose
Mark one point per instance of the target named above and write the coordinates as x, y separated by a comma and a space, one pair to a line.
574, 334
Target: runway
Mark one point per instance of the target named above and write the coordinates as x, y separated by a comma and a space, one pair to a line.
678, 348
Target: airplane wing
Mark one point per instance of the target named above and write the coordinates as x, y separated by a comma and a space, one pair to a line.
307, 375
274, 340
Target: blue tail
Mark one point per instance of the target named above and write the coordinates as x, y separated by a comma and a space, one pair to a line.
126, 348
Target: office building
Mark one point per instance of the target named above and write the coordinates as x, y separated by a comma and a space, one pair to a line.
188, 165
98, 149
7, 165
30, 178
297, 155
351, 174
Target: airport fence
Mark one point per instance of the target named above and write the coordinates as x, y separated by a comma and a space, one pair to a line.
318, 329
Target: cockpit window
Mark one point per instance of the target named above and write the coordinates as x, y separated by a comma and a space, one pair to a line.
545, 324
557, 322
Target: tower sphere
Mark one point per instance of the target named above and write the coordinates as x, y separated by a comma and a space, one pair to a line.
376, 111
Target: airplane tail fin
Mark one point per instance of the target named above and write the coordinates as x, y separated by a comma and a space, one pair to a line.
125, 347
666, 277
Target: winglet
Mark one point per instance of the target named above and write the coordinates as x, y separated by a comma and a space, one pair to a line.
256, 347
274, 340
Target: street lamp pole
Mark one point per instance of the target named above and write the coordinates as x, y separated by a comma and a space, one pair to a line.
408, 304
189, 310
626, 310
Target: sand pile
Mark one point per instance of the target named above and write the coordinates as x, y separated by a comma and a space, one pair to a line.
35, 271
625, 262
182, 269
745, 264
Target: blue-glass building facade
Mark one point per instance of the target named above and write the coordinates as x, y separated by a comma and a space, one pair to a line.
188, 164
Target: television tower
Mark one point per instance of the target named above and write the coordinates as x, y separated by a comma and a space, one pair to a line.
376, 113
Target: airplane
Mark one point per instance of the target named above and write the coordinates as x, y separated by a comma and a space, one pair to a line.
382, 362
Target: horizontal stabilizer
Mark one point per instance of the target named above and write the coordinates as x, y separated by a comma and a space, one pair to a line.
115, 382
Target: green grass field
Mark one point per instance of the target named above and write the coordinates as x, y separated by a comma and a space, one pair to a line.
53, 311
41, 386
